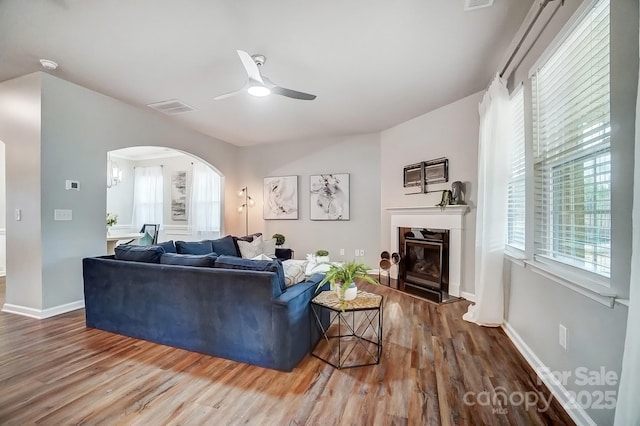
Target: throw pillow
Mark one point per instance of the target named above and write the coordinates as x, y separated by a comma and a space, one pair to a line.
225, 246
168, 246
294, 271
194, 247
252, 249
247, 238
146, 254
269, 247
233, 262
205, 260
261, 257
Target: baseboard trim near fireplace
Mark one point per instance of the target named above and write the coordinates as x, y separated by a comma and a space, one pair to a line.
469, 296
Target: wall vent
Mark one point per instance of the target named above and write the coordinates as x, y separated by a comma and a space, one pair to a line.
477, 4
171, 107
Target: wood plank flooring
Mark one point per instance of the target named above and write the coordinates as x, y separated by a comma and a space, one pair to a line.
57, 371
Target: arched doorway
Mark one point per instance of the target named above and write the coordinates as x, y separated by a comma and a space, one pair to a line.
158, 185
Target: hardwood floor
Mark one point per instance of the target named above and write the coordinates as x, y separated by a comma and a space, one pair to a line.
56, 371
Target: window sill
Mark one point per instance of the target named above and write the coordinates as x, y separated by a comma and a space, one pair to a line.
515, 255
591, 289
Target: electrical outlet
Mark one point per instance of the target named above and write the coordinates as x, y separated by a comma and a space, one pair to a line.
361, 252
357, 253
18, 214
341, 252
563, 336
62, 214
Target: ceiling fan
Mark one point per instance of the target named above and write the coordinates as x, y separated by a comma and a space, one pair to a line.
259, 85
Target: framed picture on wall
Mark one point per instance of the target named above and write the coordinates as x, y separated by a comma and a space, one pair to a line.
280, 195
329, 194
179, 196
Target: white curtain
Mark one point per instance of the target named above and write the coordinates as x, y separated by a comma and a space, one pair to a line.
204, 210
628, 409
147, 196
491, 221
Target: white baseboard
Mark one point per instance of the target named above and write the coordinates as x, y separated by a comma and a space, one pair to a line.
3, 273
576, 412
468, 296
42, 313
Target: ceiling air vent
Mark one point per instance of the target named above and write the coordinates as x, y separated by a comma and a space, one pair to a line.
477, 4
171, 107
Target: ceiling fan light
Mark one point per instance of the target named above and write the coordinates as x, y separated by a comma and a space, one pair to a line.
259, 91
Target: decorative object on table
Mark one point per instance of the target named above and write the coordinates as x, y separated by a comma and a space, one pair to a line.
342, 277
384, 265
446, 199
112, 219
280, 197
322, 256
426, 173
179, 196
280, 239
248, 202
329, 195
457, 193
316, 267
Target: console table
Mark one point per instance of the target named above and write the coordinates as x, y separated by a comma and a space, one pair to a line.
351, 337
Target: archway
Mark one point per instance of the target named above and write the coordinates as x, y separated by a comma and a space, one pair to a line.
160, 185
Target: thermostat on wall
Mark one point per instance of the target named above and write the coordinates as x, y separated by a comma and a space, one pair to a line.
72, 184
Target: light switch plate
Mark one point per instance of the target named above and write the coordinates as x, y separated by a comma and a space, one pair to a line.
62, 214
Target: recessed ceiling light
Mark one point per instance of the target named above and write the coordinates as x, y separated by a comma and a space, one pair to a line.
48, 64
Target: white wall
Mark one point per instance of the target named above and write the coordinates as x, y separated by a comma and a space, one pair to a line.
357, 155
20, 122
451, 132
120, 196
3, 231
78, 127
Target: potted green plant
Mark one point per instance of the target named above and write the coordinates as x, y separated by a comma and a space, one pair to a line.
112, 219
342, 277
279, 239
322, 256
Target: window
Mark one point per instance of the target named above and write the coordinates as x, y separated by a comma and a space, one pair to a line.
147, 196
572, 164
516, 185
205, 202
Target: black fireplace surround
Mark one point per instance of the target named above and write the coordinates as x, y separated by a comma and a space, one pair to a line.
424, 270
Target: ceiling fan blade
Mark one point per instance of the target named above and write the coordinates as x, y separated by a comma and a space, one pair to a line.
277, 90
292, 93
230, 94
250, 66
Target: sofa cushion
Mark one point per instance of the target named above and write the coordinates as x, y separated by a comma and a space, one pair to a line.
294, 271
194, 247
147, 254
225, 246
168, 246
205, 260
233, 262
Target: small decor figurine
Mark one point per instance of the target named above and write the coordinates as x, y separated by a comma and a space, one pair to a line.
457, 191
446, 199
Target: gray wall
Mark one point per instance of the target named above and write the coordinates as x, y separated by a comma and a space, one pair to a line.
357, 155
537, 305
79, 126
20, 113
451, 132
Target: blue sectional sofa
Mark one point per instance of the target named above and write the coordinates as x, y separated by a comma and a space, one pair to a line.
238, 314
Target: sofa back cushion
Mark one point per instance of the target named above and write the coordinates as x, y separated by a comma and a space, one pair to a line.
194, 247
202, 260
168, 246
225, 246
147, 254
232, 262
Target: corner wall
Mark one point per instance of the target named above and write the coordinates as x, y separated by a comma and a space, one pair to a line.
357, 155
451, 132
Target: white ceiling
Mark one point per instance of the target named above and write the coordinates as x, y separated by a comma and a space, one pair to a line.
371, 63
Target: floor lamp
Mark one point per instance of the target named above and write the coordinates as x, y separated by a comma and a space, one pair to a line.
248, 202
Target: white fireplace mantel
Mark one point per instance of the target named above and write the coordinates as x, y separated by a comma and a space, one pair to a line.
451, 218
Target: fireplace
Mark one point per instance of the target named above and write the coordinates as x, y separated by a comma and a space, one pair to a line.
424, 270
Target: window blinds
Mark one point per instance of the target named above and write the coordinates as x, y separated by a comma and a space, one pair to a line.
572, 164
516, 186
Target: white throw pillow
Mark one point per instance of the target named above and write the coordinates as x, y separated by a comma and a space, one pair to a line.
294, 271
261, 257
249, 250
269, 247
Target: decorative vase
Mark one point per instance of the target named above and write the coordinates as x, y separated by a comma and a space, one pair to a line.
349, 294
108, 230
